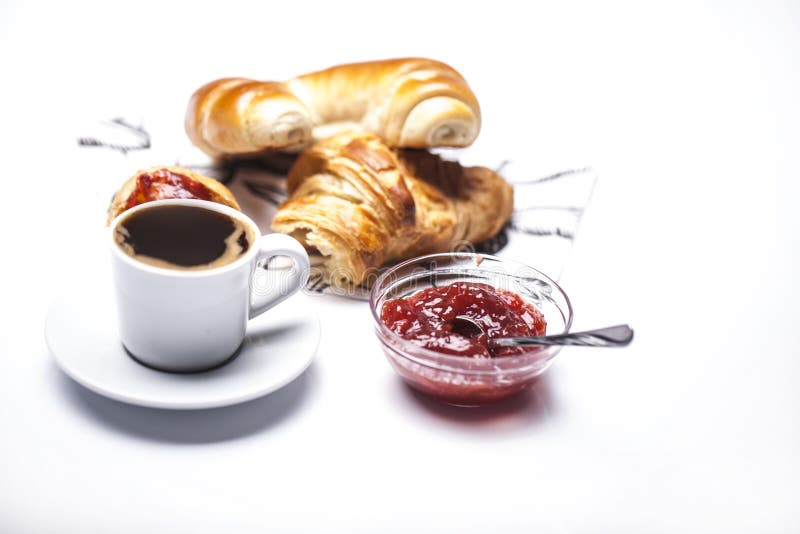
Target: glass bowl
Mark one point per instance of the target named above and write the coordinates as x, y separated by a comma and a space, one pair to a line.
460, 380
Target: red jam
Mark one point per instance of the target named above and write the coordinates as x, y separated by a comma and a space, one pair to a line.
427, 319
163, 183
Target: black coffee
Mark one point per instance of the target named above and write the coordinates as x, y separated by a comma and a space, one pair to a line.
186, 237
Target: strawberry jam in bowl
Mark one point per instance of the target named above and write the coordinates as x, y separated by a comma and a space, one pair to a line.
435, 315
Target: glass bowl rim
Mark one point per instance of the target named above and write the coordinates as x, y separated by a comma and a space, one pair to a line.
447, 362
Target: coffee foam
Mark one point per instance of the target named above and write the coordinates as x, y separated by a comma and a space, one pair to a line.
233, 249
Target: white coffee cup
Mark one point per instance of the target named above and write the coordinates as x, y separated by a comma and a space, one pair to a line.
192, 320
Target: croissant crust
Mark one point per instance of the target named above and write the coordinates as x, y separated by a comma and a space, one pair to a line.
362, 204
409, 102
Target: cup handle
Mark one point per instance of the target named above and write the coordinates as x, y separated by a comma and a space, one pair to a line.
279, 245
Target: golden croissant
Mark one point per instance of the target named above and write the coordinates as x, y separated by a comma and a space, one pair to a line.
361, 204
412, 102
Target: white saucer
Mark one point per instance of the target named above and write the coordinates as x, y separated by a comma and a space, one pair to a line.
81, 333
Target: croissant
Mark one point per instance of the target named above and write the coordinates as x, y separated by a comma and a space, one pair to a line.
411, 102
360, 205
163, 182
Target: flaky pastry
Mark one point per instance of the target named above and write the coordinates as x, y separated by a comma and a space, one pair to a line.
164, 182
412, 102
361, 204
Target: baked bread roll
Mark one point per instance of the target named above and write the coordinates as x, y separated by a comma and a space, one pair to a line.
163, 182
411, 102
360, 205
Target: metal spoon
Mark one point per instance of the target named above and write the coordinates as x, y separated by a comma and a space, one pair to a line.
611, 336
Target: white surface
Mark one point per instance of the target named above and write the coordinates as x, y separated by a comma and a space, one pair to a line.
688, 112
83, 337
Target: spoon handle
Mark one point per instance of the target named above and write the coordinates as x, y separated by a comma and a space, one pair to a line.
611, 336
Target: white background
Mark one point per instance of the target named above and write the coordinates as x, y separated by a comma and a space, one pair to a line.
688, 112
